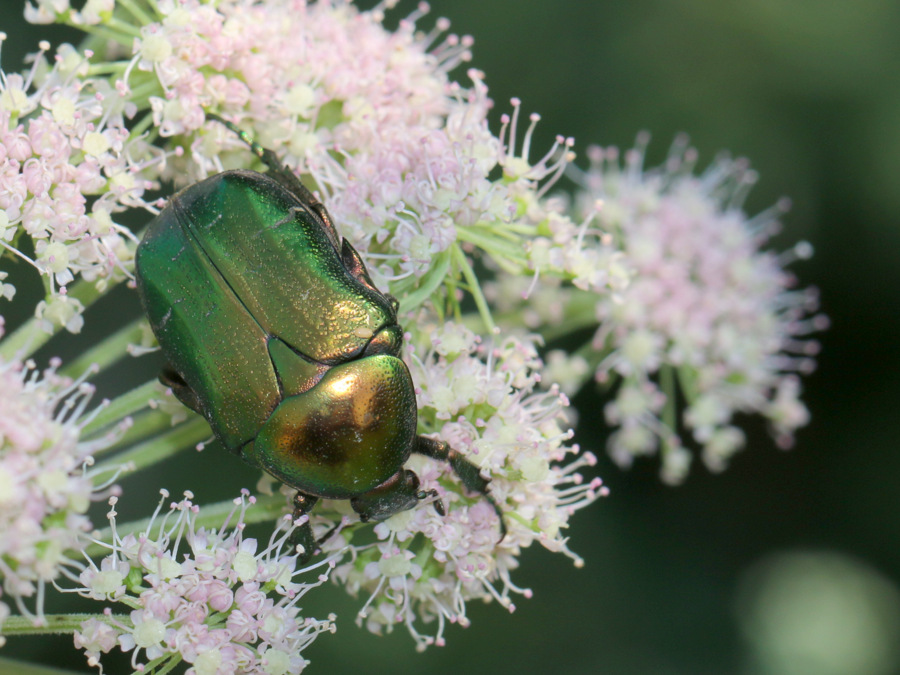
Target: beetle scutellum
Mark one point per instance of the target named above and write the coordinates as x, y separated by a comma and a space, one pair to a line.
275, 333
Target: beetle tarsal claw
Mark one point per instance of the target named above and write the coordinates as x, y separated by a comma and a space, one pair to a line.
437, 503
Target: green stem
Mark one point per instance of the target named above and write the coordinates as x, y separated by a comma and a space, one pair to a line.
107, 68
143, 125
107, 352
667, 384
498, 245
54, 624
155, 7
164, 664
95, 44
104, 33
147, 424
474, 287
142, 91
145, 84
124, 26
29, 337
530, 524
23, 668
430, 283
142, 17
158, 448
687, 381
451, 304
122, 406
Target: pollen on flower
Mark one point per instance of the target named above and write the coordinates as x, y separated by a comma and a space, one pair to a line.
707, 312
155, 48
95, 144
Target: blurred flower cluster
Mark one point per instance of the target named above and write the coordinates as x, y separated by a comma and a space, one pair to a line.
710, 324
708, 316
462, 224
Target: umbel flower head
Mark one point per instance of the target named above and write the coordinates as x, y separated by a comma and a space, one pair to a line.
205, 596
46, 483
400, 155
404, 160
708, 315
480, 397
68, 166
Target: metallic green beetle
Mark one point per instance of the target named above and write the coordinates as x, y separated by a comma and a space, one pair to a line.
275, 333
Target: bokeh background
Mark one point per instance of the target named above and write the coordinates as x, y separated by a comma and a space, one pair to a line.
789, 561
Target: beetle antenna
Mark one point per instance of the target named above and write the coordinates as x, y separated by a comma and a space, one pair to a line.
269, 158
282, 174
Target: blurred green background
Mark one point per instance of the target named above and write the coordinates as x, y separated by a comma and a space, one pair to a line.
788, 562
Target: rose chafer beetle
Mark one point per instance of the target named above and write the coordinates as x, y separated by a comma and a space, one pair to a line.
275, 333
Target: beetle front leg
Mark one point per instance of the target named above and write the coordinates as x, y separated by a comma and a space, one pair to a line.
398, 493
303, 534
468, 473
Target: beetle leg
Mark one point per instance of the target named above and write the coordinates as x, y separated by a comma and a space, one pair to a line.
303, 534
398, 493
171, 379
468, 473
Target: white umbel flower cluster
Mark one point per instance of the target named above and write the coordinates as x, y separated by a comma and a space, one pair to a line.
481, 398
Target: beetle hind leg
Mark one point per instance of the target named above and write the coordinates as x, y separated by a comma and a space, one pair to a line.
468, 473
